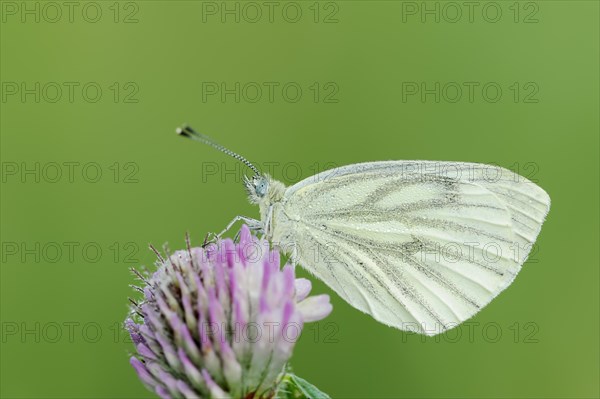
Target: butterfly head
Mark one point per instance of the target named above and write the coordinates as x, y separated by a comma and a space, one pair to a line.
257, 187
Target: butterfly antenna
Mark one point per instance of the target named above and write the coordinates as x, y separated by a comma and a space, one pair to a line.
187, 131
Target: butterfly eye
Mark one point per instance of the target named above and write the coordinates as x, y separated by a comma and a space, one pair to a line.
261, 186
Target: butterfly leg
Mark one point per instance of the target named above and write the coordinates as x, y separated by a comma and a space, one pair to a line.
253, 224
267, 226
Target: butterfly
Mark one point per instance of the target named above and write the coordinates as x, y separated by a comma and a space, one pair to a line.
419, 245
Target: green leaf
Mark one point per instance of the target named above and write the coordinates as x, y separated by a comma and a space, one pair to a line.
294, 387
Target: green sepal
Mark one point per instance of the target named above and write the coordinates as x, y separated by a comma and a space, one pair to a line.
294, 387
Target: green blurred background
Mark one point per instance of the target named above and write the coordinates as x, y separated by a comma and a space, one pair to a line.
69, 235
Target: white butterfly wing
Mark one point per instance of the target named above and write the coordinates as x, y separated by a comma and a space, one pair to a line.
419, 245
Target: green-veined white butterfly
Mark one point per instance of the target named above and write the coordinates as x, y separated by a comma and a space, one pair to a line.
419, 245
